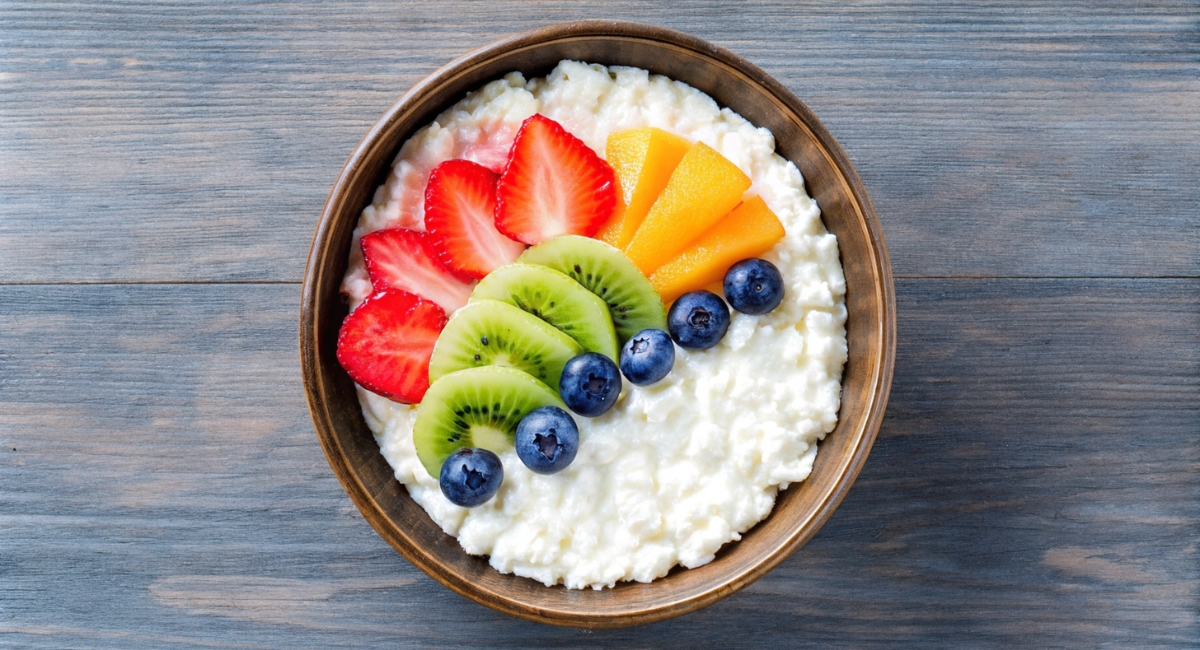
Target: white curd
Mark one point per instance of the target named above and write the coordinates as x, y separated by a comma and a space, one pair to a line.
677, 469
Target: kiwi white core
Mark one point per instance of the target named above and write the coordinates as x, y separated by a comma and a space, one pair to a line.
677, 469
489, 437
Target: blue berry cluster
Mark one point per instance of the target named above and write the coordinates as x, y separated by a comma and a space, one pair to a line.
547, 439
698, 320
546, 442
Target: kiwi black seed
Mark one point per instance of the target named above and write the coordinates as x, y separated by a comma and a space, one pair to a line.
476, 407
494, 333
633, 303
556, 299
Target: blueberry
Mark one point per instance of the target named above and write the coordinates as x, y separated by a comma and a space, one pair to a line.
470, 477
547, 440
647, 357
698, 320
753, 286
590, 384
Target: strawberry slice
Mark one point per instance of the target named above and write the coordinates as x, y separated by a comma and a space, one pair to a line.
460, 211
406, 259
385, 344
553, 185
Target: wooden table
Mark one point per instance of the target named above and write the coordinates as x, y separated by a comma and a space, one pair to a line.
1037, 171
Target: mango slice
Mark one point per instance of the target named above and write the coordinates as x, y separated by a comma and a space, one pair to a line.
749, 231
643, 160
704, 187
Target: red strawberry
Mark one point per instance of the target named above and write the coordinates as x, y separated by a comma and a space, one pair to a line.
460, 211
385, 344
406, 259
553, 185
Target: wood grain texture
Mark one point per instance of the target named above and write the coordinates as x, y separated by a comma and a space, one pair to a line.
1035, 484
870, 327
170, 141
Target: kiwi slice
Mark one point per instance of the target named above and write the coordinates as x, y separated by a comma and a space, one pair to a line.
556, 299
476, 407
494, 333
606, 272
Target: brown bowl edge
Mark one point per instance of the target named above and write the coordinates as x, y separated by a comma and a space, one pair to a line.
865, 430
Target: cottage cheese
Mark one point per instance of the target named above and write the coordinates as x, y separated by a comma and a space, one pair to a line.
677, 469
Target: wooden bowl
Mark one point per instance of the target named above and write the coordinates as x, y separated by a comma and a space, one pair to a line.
799, 511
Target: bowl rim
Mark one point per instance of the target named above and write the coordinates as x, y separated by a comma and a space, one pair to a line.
879, 382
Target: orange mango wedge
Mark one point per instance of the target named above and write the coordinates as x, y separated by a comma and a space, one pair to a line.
643, 160
704, 187
749, 231
610, 233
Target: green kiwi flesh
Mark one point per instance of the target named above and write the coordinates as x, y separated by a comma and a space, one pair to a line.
555, 298
608, 273
494, 333
476, 407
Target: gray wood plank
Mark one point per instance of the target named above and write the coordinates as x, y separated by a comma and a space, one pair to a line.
1035, 484
155, 141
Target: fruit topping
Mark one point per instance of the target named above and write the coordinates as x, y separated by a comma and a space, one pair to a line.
556, 299
754, 286
698, 320
590, 384
470, 477
547, 440
605, 271
750, 230
647, 357
494, 333
460, 212
642, 160
385, 344
553, 184
704, 187
406, 259
476, 407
